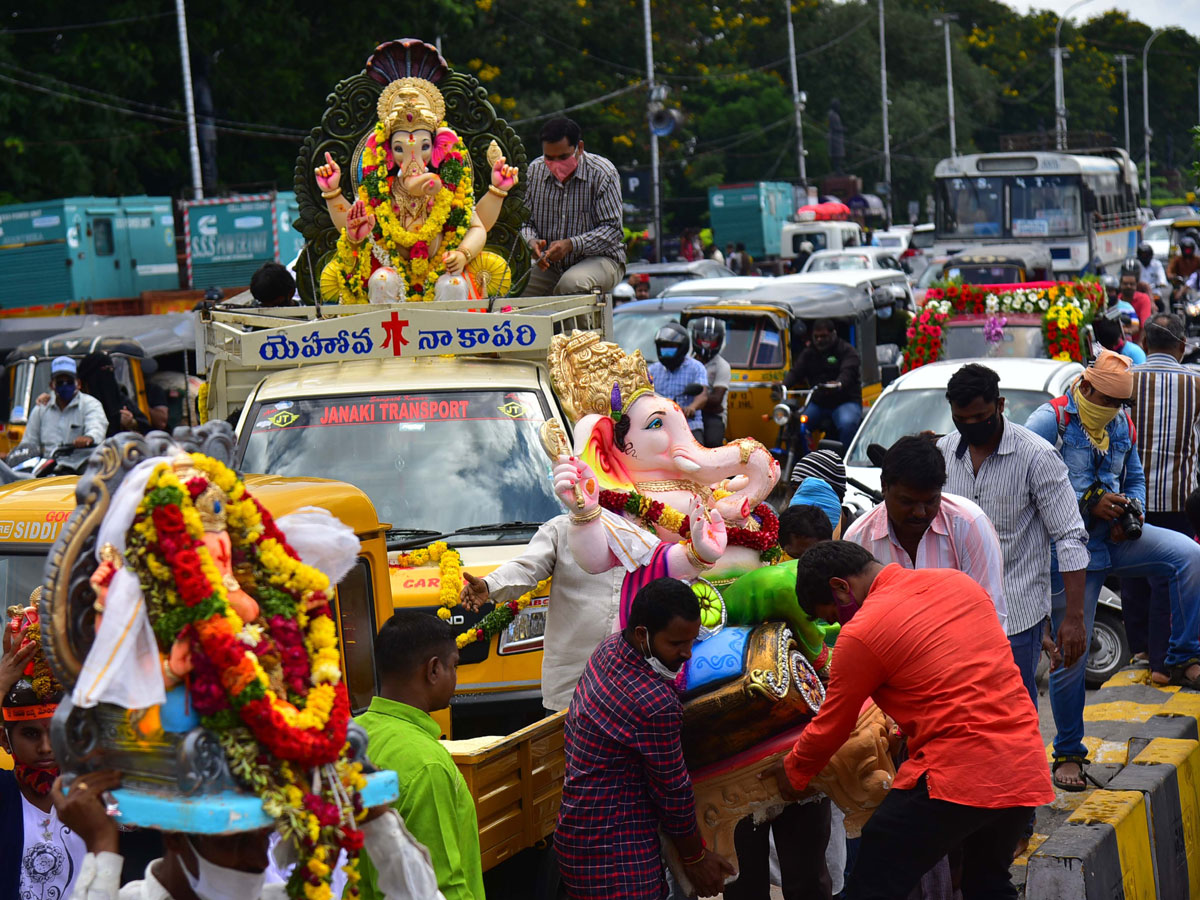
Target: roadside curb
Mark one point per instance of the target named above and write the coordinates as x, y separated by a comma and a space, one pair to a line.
1138, 836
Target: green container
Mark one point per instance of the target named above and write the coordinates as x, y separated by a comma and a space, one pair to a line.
228, 238
752, 214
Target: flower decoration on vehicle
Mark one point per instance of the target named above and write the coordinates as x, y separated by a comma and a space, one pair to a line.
925, 334
449, 563
248, 625
500, 617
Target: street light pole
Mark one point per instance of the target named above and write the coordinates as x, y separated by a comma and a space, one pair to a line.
1146, 108
797, 97
1060, 97
189, 103
887, 138
654, 176
1123, 59
944, 20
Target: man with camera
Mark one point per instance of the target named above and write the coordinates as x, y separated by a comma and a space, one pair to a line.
1096, 437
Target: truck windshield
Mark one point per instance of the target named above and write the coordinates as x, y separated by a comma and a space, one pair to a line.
1044, 205
432, 462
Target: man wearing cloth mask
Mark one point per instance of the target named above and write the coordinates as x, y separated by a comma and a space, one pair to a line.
72, 419
574, 230
626, 779
1096, 439
909, 641
832, 367
675, 371
1022, 485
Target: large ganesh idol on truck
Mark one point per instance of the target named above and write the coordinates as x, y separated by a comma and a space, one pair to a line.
643, 494
392, 207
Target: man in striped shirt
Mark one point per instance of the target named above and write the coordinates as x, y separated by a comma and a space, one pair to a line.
920, 527
574, 230
1166, 414
1023, 486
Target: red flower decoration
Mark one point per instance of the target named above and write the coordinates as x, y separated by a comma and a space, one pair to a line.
420, 250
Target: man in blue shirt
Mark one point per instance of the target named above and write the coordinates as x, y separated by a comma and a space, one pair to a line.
1096, 438
675, 371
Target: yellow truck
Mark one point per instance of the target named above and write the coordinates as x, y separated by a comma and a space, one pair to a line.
433, 410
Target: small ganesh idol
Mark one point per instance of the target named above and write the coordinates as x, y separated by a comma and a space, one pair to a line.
415, 230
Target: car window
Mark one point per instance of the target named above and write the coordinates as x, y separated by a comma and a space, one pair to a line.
816, 238
932, 273
921, 240
910, 412
1155, 232
839, 262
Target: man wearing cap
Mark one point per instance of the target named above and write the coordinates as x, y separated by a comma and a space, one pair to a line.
1098, 442
72, 419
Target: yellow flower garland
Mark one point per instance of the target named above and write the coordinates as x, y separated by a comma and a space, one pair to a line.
450, 568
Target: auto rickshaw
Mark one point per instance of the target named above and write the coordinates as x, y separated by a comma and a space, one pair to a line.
765, 329
1000, 264
141, 347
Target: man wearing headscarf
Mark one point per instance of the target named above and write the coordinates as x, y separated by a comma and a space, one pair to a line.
1095, 435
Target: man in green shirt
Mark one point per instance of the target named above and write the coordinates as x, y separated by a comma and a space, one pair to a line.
417, 661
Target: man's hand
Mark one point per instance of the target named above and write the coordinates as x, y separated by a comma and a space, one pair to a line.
82, 810
1072, 642
127, 420
475, 592
779, 773
42, 399
83, 441
537, 248
13, 664
1109, 507
709, 874
558, 250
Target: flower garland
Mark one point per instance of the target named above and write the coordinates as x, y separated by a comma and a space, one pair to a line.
290, 752
764, 538
1061, 330
500, 617
448, 218
925, 335
449, 566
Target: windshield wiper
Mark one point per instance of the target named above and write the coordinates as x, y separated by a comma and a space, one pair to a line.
401, 533
499, 527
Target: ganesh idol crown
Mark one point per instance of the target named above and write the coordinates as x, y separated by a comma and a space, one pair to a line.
400, 204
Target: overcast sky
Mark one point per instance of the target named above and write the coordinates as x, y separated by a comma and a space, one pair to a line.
1156, 13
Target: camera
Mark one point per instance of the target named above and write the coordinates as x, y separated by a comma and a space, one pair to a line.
1130, 520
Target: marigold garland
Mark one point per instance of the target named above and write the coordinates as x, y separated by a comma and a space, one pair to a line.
289, 751
408, 251
450, 570
500, 617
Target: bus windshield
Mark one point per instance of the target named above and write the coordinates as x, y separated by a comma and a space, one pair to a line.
970, 207
1045, 205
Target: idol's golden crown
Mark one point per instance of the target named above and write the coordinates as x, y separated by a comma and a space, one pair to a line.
594, 376
411, 104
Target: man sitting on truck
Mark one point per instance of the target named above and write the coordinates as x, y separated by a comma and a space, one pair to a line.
417, 661
832, 368
73, 419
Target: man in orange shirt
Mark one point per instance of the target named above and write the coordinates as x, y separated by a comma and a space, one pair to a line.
927, 647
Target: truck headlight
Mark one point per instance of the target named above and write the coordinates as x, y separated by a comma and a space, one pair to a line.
781, 414
525, 631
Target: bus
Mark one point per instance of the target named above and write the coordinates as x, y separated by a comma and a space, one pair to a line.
1082, 205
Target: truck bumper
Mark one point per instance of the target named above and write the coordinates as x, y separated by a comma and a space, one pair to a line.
494, 712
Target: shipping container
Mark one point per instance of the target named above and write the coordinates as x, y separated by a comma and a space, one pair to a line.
228, 238
752, 214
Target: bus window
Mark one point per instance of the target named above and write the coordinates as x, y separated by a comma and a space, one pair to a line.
1045, 205
970, 207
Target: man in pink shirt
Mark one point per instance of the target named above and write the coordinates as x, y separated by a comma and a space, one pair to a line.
926, 647
919, 527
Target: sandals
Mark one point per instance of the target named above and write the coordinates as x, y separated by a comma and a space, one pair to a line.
1179, 675
1082, 762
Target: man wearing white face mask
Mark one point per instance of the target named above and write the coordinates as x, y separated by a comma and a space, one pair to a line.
219, 867
574, 230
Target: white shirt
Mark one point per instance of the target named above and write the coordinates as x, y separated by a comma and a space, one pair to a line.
581, 611
50, 427
720, 375
402, 863
959, 537
1155, 275
51, 857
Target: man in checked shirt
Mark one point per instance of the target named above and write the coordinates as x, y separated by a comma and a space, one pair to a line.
626, 777
574, 230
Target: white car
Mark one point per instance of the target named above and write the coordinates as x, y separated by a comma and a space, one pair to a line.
916, 402
856, 258
715, 288
1158, 235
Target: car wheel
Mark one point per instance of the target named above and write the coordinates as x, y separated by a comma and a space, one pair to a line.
1110, 648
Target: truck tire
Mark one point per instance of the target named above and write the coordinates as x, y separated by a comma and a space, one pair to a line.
1110, 648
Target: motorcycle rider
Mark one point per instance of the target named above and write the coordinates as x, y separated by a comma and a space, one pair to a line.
708, 337
73, 418
1153, 272
1142, 305
675, 371
1184, 267
833, 368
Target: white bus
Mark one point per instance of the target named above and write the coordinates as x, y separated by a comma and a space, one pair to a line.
1082, 205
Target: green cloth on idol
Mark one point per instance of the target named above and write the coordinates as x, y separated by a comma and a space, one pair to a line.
769, 594
434, 800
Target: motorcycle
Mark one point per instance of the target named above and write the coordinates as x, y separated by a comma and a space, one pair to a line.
1185, 303
30, 462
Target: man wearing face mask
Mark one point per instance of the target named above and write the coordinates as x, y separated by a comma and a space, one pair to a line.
1096, 439
1022, 485
832, 367
909, 640
574, 230
675, 371
920, 527
626, 779
72, 419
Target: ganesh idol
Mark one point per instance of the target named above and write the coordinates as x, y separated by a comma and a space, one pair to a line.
414, 230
